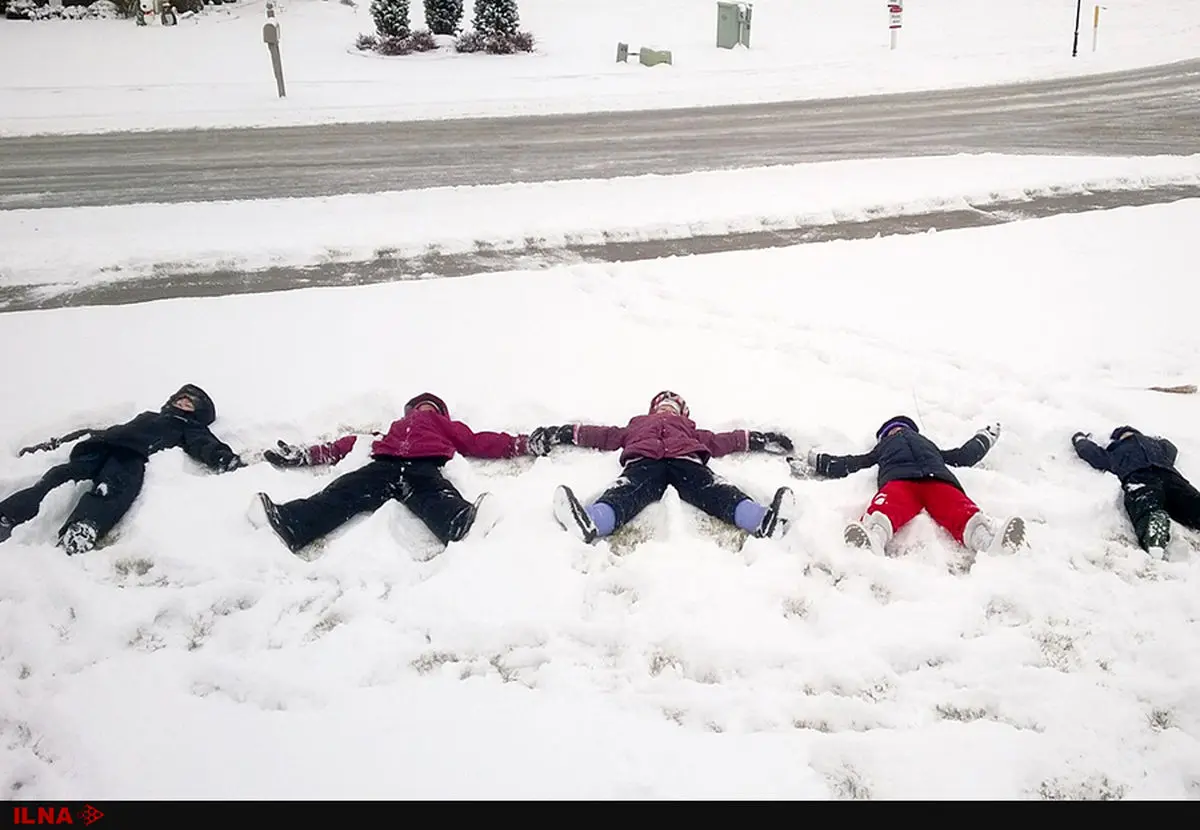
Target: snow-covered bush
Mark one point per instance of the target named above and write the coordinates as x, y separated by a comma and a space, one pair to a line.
391, 17
495, 30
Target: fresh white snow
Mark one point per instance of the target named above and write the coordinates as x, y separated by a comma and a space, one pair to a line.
194, 657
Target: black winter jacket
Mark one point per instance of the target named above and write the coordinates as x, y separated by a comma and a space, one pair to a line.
907, 455
150, 432
1125, 457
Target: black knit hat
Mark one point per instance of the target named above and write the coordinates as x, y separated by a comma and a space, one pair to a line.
1119, 431
895, 421
427, 397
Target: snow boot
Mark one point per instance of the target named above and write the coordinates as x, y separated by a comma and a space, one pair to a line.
874, 532
478, 519
263, 510
79, 537
981, 536
779, 516
1158, 533
572, 516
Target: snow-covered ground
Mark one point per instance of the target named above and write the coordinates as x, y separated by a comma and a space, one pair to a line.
194, 657
89, 246
214, 70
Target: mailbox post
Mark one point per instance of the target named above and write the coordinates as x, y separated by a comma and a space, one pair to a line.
271, 38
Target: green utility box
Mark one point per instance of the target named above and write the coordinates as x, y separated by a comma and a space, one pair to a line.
646, 57
733, 24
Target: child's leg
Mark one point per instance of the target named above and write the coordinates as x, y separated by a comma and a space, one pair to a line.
363, 490
641, 484
948, 506
434, 500
900, 501
1145, 503
705, 490
115, 487
1182, 500
24, 504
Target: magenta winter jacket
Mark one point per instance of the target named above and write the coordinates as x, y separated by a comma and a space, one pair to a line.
661, 435
426, 434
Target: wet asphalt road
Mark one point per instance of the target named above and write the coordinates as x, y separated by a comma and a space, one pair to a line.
1142, 112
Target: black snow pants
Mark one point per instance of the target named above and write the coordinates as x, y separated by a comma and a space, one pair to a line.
1155, 488
116, 475
644, 481
418, 484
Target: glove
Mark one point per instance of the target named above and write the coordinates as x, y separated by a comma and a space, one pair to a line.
829, 466
1081, 436
45, 446
772, 442
544, 439
233, 463
990, 434
288, 456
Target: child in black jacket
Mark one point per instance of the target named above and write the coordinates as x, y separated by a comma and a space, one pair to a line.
1154, 490
114, 460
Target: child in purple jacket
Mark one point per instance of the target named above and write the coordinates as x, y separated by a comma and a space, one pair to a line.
662, 448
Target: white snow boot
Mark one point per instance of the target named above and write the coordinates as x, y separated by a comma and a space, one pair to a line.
779, 516
485, 514
982, 536
569, 513
476, 520
874, 532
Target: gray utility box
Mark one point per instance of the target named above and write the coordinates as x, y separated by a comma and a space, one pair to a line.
733, 24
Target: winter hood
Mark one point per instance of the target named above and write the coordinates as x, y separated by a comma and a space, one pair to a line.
895, 421
427, 397
206, 410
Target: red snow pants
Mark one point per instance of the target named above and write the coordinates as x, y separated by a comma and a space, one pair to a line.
901, 501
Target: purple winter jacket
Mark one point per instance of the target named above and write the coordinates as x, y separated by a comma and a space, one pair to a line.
661, 435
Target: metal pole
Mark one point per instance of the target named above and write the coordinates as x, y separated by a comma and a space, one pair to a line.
1078, 11
277, 67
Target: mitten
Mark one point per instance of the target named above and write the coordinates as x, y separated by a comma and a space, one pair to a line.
827, 465
287, 456
772, 442
990, 434
1081, 436
544, 439
45, 446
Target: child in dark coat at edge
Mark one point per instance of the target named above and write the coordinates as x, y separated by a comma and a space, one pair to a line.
661, 448
114, 460
1154, 491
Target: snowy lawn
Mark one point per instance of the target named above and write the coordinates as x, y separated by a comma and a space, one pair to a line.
194, 657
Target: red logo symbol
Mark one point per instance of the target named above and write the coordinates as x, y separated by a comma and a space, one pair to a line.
90, 815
